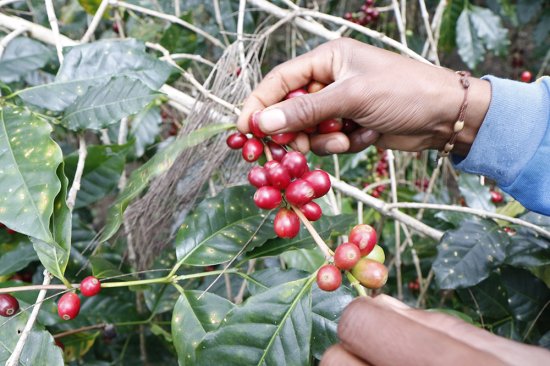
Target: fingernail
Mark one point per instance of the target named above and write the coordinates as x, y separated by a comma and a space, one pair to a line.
272, 120
335, 145
368, 137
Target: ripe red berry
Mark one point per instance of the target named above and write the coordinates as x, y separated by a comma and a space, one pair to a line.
319, 180
370, 274
310, 130
8, 305
526, 76
329, 126
268, 197
496, 197
10, 231
296, 163
509, 231
348, 126
236, 140
329, 277
346, 256
364, 236
278, 175
90, 286
299, 192
296, 93
60, 344
286, 223
414, 285
284, 138
312, 211
68, 306
258, 177
254, 125
252, 150
277, 151
376, 193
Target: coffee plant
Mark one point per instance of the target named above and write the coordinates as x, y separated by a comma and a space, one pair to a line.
138, 227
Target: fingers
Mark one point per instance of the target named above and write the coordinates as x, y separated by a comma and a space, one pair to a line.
361, 139
329, 143
338, 356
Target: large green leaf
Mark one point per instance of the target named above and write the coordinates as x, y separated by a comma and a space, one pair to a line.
161, 162
28, 181
219, 227
104, 105
488, 298
17, 258
192, 318
271, 277
447, 39
527, 295
325, 226
145, 128
308, 260
271, 328
21, 56
94, 64
39, 350
470, 46
476, 195
467, 255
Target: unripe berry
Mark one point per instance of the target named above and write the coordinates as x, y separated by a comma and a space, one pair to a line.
68, 306
90, 286
286, 223
299, 192
296, 163
377, 254
236, 140
370, 274
258, 177
8, 305
329, 277
319, 180
278, 175
312, 211
346, 256
268, 198
526, 76
252, 150
364, 236
254, 126
296, 93
284, 138
496, 197
277, 151
329, 126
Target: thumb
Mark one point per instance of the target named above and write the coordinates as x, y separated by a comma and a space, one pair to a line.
299, 113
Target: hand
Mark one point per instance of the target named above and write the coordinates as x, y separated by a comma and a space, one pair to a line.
384, 331
399, 103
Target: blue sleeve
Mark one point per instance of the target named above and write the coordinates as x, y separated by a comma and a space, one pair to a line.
512, 146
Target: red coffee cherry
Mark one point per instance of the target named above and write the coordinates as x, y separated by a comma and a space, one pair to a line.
364, 236
236, 140
267, 198
90, 286
496, 197
252, 150
68, 306
296, 93
284, 138
329, 126
319, 180
296, 163
299, 192
277, 151
286, 223
8, 305
329, 277
59, 344
370, 274
346, 256
310, 130
278, 175
526, 76
254, 126
312, 211
348, 126
258, 177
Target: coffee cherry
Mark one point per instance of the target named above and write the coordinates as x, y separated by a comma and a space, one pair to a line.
299, 192
310, 130
90, 286
59, 344
10, 231
364, 236
236, 140
68, 306
286, 223
329, 277
509, 231
312, 211
278, 175
348, 126
268, 197
258, 177
254, 126
319, 180
414, 285
315, 86
496, 197
296, 93
277, 151
296, 163
284, 138
377, 254
252, 150
329, 126
526, 76
8, 305
370, 274
346, 256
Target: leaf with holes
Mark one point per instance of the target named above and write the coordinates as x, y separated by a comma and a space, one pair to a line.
145, 128
270, 328
21, 56
467, 256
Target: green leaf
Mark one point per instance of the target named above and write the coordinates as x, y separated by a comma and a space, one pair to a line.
193, 318
467, 255
17, 258
271, 328
90, 6
489, 29
102, 268
145, 128
39, 349
178, 39
102, 170
161, 162
21, 56
78, 344
94, 64
104, 105
476, 195
325, 226
308, 260
470, 47
488, 298
526, 10
527, 295
219, 227
447, 39
271, 277
28, 180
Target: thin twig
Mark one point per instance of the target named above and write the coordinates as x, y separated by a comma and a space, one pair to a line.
431, 40
55, 29
10, 37
219, 20
400, 22
240, 31
190, 56
95, 21
79, 330
7, 290
82, 153
424, 290
397, 228
327, 252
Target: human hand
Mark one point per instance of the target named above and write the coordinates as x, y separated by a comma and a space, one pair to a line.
398, 102
384, 331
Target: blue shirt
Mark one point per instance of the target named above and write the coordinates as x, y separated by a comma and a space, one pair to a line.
512, 146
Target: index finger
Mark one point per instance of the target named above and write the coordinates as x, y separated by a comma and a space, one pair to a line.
317, 65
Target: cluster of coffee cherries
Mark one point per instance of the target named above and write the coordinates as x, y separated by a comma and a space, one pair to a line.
360, 255
381, 168
68, 305
366, 14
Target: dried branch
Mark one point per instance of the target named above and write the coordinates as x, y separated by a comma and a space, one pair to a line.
82, 153
55, 29
400, 22
10, 37
95, 21
397, 227
431, 40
